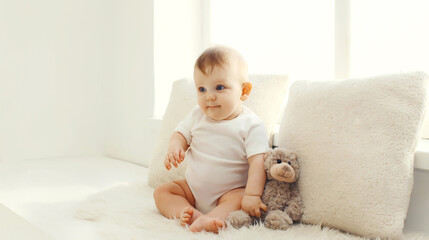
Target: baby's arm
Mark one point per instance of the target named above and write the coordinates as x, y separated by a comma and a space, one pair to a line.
251, 202
177, 147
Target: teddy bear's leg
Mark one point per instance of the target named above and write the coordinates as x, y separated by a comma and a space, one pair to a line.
278, 220
239, 218
294, 210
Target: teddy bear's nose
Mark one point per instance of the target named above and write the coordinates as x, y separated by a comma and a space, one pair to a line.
279, 161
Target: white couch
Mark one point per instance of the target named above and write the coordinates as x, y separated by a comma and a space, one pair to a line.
99, 197
45, 195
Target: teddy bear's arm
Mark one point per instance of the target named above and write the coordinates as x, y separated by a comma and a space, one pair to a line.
272, 198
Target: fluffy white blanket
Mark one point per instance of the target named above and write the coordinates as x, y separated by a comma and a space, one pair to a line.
128, 212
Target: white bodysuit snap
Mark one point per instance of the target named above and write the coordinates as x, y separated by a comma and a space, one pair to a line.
218, 154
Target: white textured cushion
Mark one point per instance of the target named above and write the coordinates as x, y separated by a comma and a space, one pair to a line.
266, 98
355, 140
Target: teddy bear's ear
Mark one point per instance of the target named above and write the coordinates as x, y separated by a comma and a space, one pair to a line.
281, 149
291, 155
268, 153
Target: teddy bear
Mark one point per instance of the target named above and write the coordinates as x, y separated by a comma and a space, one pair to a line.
281, 195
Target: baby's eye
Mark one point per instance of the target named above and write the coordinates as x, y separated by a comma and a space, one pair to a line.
220, 87
201, 89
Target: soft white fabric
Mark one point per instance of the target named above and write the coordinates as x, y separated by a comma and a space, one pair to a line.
48, 192
355, 140
266, 99
128, 212
218, 153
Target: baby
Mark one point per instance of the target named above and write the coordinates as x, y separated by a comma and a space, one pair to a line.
224, 143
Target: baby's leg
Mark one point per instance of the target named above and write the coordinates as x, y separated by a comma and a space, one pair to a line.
175, 200
215, 219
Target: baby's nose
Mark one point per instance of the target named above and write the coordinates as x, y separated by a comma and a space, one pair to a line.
211, 97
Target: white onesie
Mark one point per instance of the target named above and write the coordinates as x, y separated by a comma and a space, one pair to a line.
218, 152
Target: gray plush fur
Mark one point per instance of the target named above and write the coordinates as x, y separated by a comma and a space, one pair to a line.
280, 193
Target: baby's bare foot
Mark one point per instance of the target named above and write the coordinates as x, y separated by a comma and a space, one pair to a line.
188, 216
208, 224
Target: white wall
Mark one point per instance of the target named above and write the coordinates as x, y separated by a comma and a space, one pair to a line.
55, 65
129, 98
156, 43
179, 40
77, 77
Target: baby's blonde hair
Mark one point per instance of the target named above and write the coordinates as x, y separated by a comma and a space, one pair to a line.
218, 56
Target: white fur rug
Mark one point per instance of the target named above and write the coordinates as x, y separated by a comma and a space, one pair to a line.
128, 212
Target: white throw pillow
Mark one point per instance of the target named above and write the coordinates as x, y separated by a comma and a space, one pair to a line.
266, 98
355, 140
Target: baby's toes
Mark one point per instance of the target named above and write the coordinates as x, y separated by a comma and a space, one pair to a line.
186, 215
219, 224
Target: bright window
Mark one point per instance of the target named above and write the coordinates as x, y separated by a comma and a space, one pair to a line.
388, 36
298, 37
278, 36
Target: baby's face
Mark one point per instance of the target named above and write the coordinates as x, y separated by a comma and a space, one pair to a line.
219, 92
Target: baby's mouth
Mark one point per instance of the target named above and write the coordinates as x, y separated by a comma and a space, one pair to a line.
213, 107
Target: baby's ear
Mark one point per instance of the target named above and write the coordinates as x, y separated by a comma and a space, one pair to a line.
246, 88
268, 153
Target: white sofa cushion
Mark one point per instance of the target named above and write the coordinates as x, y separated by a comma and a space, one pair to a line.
266, 98
355, 139
14, 227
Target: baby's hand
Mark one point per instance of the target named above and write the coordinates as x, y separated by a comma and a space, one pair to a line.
175, 156
252, 205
